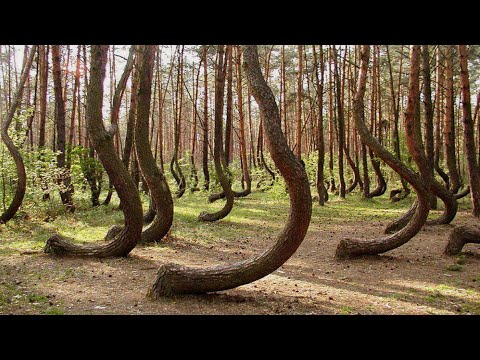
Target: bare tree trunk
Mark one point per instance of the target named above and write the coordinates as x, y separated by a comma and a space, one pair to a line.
17, 200
352, 247
175, 279
65, 179
322, 191
218, 148
115, 111
102, 141
206, 173
469, 133
449, 130
156, 181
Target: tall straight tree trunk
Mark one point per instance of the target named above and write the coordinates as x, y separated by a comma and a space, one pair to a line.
449, 129
206, 174
229, 119
396, 113
469, 133
438, 115
17, 200
322, 191
341, 125
299, 102
428, 117
352, 247
76, 86
175, 279
102, 141
64, 180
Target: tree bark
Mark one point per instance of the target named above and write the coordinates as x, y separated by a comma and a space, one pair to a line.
206, 174
17, 200
459, 237
449, 130
102, 141
469, 133
64, 180
354, 247
218, 147
174, 279
320, 183
156, 181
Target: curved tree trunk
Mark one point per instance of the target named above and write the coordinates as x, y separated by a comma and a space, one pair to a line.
450, 203
459, 237
102, 141
218, 148
174, 279
381, 183
116, 104
462, 194
354, 247
157, 184
17, 158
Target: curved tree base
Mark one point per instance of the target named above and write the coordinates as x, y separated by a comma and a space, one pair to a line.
58, 246
460, 236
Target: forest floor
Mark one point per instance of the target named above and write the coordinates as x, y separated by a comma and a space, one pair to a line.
413, 279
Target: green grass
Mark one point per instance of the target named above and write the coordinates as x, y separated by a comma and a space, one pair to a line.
346, 310
454, 267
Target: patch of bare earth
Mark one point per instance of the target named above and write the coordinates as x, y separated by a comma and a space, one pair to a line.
412, 279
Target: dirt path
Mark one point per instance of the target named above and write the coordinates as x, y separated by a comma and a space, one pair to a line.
410, 280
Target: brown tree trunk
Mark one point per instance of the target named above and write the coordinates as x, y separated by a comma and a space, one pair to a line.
17, 200
174, 279
469, 133
459, 237
218, 148
341, 125
115, 111
206, 174
229, 119
102, 140
449, 129
241, 116
156, 181
65, 179
322, 191
352, 247
438, 115
299, 102
396, 116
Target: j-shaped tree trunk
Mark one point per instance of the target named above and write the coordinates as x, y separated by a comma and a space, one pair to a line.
64, 178
174, 279
157, 184
218, 147
116, 103
355, 247
469, 133
17, 157
459, 237
102, 141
